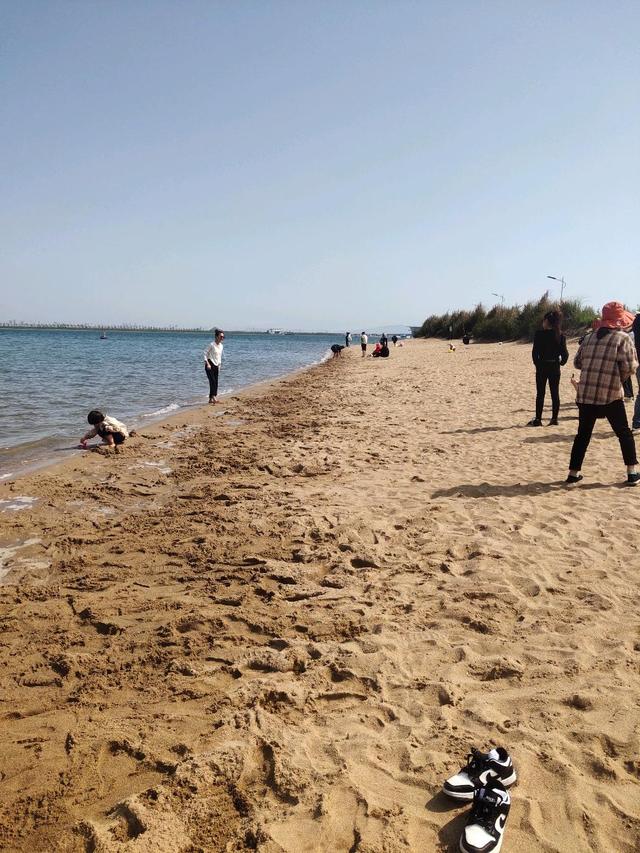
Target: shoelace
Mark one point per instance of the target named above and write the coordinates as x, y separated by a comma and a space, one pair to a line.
475, 762
483, 811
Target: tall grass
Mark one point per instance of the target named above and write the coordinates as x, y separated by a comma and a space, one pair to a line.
507, 323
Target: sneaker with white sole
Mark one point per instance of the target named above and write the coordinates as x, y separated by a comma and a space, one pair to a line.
485, 825
480, 768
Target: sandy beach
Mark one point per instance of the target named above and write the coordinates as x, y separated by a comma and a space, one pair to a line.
281, 622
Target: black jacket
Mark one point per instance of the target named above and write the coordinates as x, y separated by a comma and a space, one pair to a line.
547, 349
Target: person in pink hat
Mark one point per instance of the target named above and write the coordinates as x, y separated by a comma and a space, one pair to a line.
606, 358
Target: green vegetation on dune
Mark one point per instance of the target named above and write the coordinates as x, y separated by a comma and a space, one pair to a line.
507, 322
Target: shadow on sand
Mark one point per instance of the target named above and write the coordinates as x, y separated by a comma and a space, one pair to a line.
475, 430
515, 490
450, 833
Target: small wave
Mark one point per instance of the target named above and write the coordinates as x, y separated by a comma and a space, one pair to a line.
6, 476
165, 411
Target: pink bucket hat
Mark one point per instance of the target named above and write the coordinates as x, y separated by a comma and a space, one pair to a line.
615, 316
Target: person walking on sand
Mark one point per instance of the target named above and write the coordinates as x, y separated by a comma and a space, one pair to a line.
364, 340
605, 358
212, 362
549, 353
347, 339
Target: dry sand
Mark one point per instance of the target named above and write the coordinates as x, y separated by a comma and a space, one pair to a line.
280, 623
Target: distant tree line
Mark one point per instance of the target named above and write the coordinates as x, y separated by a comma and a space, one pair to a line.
507, 322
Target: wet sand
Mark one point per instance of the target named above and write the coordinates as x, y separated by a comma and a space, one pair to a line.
281, 622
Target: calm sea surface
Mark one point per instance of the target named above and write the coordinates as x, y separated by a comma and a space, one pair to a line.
50, 379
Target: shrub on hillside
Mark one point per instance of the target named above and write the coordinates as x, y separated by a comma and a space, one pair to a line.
504, 323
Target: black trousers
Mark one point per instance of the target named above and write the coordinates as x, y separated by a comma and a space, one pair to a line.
616, 414
548, 372
212, 375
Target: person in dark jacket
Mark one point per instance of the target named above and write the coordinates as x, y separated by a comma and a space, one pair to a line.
636, 339
549, 354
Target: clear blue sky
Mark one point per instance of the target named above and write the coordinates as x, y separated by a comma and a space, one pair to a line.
314, 165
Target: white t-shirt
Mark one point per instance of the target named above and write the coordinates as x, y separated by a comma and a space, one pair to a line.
213, 353
364, 339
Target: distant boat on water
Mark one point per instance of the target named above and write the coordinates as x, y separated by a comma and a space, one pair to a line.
275, 332
103, 336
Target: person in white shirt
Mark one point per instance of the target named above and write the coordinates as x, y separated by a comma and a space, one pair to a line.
112, 431
212, 362
364, 340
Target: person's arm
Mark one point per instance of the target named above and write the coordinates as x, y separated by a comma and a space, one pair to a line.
207, 355
577, 361
90, 434
535, 352
627, 361
564, 352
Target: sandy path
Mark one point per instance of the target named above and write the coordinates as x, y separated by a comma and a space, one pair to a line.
279, 628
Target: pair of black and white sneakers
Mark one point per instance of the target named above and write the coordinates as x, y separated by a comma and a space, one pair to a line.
484, 779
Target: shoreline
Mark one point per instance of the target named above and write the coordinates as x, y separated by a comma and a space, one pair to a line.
283, 627
44, 462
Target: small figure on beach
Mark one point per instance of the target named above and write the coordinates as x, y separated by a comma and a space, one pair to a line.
336, 349
380, 351
605, 358
466, 340
212, 362
347, 339
364, 340
384, 341
452, 347
394, 339
112, 431
549, 354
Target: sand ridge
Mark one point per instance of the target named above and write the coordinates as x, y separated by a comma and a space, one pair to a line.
279, 624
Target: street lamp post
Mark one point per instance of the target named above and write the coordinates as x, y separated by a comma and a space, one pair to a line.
562, 285
500, 296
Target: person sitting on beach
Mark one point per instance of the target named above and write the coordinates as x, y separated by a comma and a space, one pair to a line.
112, 431
381, 351
605, 358
336, 349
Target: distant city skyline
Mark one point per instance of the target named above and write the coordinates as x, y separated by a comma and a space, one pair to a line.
308, 166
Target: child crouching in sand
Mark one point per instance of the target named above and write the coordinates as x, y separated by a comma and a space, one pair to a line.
112, 432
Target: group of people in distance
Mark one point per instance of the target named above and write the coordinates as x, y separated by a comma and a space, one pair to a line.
381, 349
606, 359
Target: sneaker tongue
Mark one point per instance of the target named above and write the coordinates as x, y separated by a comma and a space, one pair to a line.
489, 797
493, 754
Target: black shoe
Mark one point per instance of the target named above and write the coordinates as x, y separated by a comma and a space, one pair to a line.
535, 422
571, 479
485, 825
553, 422
633, 479
480, 767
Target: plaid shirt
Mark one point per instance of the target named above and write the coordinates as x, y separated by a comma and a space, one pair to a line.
604, 365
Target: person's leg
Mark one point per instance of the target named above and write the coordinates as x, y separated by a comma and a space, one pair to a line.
617, 417
212, 376
586, 421
554, 387
635, 423
541, 387
214, 385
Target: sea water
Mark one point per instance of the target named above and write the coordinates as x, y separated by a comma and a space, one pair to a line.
50, 379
